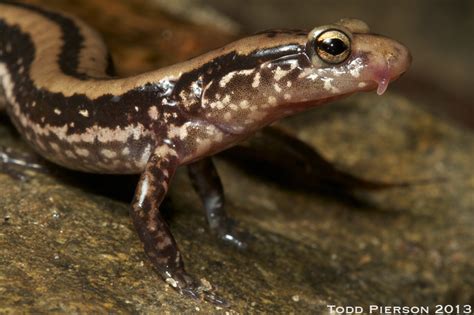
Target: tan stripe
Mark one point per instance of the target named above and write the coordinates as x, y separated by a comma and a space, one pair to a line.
45, 70
46, 73
93, 46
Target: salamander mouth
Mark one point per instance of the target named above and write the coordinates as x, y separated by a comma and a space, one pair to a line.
385, 61
381, 83
387, 72
302, 106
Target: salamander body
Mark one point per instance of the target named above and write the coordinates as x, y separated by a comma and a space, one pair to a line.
65, 100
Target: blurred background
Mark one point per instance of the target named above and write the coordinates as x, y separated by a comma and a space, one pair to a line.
440, 35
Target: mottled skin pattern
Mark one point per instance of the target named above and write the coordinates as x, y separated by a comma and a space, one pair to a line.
63, 98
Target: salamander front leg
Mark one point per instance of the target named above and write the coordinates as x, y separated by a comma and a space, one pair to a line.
206, 182
160, 245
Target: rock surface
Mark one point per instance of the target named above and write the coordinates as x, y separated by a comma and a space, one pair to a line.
67, 244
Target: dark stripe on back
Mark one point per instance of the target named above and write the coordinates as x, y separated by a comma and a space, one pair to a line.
275, 32
106, 111
110, 111
220, 66
72, 39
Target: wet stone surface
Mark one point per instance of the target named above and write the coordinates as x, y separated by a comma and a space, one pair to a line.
67, 244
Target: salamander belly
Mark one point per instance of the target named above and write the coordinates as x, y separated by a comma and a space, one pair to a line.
65, 136
97, 149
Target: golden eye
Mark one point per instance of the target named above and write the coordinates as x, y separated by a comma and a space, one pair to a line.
333, 46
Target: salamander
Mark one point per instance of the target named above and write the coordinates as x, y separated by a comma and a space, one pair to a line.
64, 98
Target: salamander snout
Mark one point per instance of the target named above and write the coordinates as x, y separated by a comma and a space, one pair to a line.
385, 60
347, 58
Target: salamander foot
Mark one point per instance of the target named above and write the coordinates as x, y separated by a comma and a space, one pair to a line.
15, 164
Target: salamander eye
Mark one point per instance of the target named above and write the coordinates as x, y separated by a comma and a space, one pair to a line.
333, 46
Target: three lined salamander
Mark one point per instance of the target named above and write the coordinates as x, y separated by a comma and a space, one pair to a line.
64, 99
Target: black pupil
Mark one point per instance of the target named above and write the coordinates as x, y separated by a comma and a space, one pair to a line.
333, 46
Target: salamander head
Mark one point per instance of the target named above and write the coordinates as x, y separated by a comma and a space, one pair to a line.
278, 73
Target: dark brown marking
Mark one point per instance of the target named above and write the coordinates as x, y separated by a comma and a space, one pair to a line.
206, 182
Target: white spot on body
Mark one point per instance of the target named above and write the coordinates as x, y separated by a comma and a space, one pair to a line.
355, 66
153, 112
94, 133
226, 99
181, 132
217, 105
305, 73
82, 152
328, 85
126, 151
256, 80
362, 84
57, 111
226, 79
203, 146
227, 116
6, 80
293, 64
70, 154
55, 146
246, 72
164, 151
183, 95
145, 156
244, 104
277, 88
279, 73
84, 112
108, 153
313, 76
